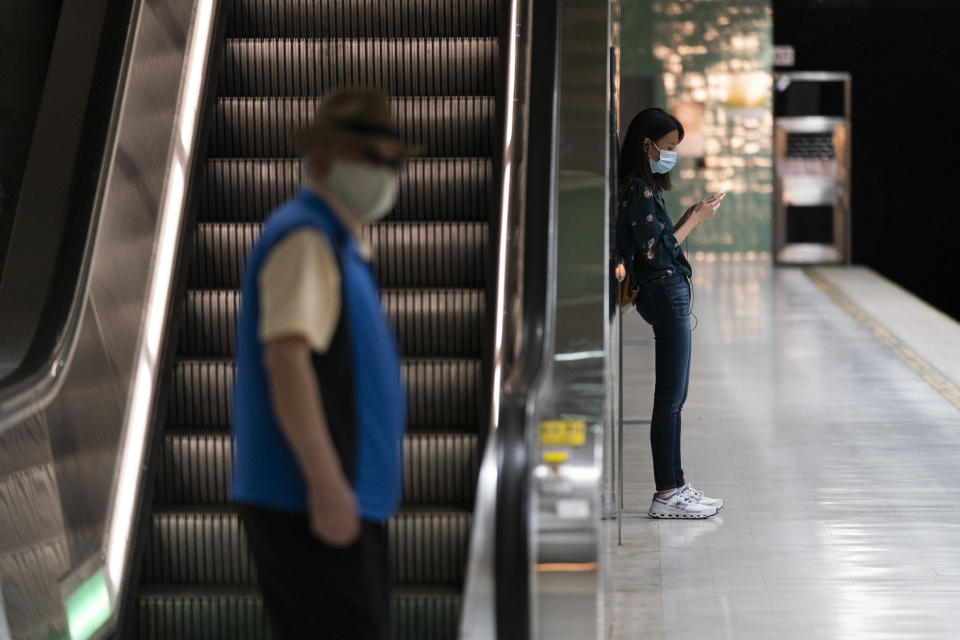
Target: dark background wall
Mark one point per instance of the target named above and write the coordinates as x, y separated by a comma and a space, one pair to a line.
902, 55
27, 29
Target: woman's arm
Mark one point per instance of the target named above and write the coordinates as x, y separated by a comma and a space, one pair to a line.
687, 223
700, 212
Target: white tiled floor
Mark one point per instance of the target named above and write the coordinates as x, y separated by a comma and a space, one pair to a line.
839, 466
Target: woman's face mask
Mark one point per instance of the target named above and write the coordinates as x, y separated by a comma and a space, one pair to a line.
666, 162
368, 190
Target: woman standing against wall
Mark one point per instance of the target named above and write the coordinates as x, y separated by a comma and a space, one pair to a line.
649, 245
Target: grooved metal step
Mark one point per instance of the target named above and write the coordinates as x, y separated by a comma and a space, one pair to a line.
185, 613
405, 254
210, 547
427, 322
438, 469
372, 18
442, 394
451, 126
441, 189
404, 67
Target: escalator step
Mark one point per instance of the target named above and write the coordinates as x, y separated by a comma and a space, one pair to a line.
405, 254
428, 615
314, 67
208, 326
185, 614
372, 18
423, 254
210, 547
448, 189
194, 469
194, 548
444, 126
237, 614
435, 322
442, 394
438, 469
429, 546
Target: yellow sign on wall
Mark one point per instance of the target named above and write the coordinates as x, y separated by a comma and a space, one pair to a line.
570, 433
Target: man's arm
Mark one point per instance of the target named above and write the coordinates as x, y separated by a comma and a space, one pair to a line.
293, 390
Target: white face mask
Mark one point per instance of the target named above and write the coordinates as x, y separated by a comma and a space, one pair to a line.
368, 191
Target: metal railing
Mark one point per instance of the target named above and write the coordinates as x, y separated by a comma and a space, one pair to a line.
497, 595
535, 533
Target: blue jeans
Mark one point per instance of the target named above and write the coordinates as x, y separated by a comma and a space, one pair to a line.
665, 304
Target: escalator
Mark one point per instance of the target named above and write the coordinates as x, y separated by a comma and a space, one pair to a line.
431, 256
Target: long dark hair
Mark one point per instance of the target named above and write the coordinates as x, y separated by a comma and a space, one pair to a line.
651, 123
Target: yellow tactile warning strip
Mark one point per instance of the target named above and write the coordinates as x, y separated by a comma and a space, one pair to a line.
927, 372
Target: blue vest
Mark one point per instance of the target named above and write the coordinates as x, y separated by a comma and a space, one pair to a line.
359, 377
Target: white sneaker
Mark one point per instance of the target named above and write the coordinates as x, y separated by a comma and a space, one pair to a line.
698, 496
679, 505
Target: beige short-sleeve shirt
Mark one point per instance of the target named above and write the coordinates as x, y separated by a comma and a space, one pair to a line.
300, 290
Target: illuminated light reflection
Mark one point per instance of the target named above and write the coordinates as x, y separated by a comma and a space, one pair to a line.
504, 213
568, 471
578, 355
157, 300
565, 566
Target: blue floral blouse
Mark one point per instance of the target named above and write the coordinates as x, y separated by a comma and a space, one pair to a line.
645, 235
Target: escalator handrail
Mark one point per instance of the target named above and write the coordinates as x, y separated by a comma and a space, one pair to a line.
524, 341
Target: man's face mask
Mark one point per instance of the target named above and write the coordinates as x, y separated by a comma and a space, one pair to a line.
368, 190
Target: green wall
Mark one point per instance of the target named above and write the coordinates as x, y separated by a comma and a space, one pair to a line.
713, 57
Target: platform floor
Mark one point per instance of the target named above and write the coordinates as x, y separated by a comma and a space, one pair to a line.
838, 462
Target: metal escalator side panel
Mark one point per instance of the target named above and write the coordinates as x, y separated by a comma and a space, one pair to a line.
121, 305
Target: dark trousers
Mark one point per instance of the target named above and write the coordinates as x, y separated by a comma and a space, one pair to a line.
665, 304
313, 590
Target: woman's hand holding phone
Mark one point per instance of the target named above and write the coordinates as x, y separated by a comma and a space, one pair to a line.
707, 208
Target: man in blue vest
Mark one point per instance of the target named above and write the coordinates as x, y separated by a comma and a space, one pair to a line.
319, 404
